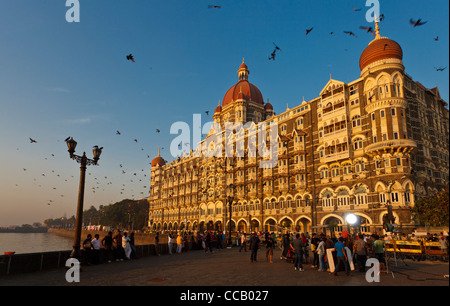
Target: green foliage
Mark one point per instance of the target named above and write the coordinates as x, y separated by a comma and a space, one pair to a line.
432, 210
126, 214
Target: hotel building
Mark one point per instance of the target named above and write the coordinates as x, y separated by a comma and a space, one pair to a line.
358, 148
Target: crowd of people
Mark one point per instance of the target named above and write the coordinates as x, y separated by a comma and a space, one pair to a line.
298, 248
119, 247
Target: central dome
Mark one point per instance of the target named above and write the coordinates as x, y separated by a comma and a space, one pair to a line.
243, 89
380, 48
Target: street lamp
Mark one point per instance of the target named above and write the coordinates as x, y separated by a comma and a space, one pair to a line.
84, 161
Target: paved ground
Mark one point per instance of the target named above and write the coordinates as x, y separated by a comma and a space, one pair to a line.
228, 267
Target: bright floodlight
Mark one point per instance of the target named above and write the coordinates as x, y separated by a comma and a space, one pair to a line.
351, 219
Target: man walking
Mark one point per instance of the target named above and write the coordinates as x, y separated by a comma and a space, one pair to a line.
286, 242
270, 243
360, 249
243, 243
297, 246
341, 257
254, 246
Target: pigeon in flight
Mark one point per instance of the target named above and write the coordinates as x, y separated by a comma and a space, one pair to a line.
368, 29
32, 140
157, 131
214, 6
309, 30
417, 23
131, 58
350, 33
355, 9
440, 68
117, 133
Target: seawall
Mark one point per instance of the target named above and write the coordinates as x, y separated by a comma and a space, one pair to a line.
139, 238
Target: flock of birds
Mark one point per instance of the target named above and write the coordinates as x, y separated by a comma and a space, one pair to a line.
138, 185
371, 30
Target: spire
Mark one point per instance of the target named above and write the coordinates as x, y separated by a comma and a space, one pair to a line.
159, 151
377, 28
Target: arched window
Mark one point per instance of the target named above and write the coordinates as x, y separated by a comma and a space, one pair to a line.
360, 196
343, 197
356, 121
358, 143
327, 199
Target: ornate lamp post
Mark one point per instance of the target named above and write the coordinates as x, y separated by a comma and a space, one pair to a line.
84, 161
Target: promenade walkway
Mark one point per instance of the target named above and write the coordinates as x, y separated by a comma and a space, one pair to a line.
227, 267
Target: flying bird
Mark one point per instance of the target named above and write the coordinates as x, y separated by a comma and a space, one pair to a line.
207, 113
276, 47
436, 38
32, 140
417, 23
350, 33
355, 9
440, 68
272, 56
309, 30
157, 131
135, 140
131, 58
214, 6
381, 18
117, 133
368, 29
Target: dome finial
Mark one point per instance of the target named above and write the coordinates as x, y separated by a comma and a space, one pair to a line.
159, 151
377, 28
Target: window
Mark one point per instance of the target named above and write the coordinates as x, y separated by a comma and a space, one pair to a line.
358, 143
356, 121
374, 138
382, 198
384, 136
399, 161
382, 113
395, 135
393, 111
394, 197
373, 117
353, 89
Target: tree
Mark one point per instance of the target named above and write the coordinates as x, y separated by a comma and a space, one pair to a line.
432, 210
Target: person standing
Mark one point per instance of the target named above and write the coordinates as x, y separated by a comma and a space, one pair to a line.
297, 246
314, 245
179, 243
96, 247
254, 246
170, 242
321, 252
119, 249
157, 251
87, 248
270, 243
360, 249
208, 242
132, 245
286, 242
243, 243
378, 249
107, 243
126, 245
341, 257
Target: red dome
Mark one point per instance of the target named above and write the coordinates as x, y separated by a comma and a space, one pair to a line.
379, 49
243, 66
268, 106
158, 160
218, 109
249, 92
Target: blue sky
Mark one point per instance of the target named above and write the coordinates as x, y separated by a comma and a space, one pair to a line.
60, 79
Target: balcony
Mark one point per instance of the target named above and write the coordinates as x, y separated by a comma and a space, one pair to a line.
335, 156
392, 145
342, 111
